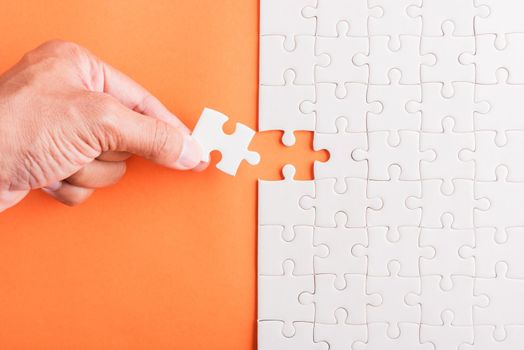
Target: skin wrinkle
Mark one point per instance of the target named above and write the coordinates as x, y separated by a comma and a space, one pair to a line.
84, 146
47, 165
32, 169
53, 159
108, 135
8, 184
159, 145
63, 159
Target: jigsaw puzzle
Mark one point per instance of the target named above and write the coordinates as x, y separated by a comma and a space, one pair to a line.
411, 234
234, 148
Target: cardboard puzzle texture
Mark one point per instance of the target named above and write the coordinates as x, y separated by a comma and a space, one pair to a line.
411, 235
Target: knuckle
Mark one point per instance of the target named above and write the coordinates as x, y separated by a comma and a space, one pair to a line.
104, 102
62, 48
99, 113
55, 44
54, 48
103, 108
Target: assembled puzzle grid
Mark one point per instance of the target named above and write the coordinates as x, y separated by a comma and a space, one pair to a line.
411, 235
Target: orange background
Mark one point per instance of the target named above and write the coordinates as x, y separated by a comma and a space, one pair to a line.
163, 260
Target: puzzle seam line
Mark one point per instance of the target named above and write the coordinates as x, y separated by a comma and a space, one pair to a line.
459, 298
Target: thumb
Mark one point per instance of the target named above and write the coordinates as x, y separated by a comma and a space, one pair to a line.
151, 138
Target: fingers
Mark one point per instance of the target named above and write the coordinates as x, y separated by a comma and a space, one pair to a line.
80, 186
99, 76
114, 156
68, 194
98, 174
138, 99
127, 131
133, 95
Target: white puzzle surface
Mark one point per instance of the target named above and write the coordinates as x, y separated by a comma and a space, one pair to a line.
234, 148
411, 235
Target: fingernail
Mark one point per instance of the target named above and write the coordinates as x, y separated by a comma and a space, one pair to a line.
54, 187
191, 154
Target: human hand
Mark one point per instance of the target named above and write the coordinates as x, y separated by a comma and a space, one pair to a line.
68, 122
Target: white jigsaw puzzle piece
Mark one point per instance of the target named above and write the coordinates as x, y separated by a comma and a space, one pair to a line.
381, 155
393, 214
276, 59
404, 249
485, 339
435, 106
340, 164
274, 249
489, 59
327, 299
393, 309
394, 20
381, 59
327, 202
447, 145
341, 335
329, 13
270, 337
505, 17
505, 106
285, 18
505, 305
328, 108
341, 50
461, 203
447, 335
491, 247
278, 202
435, 12
278, 298
279, 108
234, 148
488, 155
447, 50
340, 241
433, 300
503, 195
378, 338
394, 116
447, 243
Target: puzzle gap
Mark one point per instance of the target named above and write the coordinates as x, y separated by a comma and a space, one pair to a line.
275, 155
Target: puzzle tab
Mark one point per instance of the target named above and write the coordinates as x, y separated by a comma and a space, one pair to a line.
234, 148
